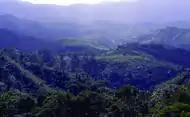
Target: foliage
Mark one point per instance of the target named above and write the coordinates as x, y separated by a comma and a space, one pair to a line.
117, 83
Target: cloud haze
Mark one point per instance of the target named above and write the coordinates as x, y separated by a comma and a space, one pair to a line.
120, 12
68, 2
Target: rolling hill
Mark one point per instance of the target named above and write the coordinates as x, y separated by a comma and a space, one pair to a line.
11, 39
150, 64
46, 31
172, 36
128, 64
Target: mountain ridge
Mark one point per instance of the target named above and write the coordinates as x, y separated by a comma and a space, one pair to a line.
92, 12
172, 36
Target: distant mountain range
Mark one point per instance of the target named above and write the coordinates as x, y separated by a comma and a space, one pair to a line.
140, 11
103, 33
37, 29
11, 39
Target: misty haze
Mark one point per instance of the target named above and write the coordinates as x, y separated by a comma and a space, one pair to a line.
94, 58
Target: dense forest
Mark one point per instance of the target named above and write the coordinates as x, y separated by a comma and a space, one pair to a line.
133, 80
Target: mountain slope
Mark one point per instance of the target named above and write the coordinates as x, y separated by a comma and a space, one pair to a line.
11, 39
125, 65
41, 71
102, 33
43, 84
134, 64
14, 76
171, 36
81, 45
47, 31
161, 52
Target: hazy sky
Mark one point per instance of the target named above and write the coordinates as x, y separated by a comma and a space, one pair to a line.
68, 2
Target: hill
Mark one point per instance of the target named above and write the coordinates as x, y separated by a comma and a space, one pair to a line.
159, 51
11, 39
136, 63
172, 36
39, 71
81, 46
46, 31
171, 97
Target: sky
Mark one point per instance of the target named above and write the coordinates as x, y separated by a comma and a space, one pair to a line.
69, 2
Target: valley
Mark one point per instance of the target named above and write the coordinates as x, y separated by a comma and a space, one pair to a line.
91, 61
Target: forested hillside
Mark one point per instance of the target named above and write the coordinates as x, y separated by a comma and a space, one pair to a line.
45, 84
